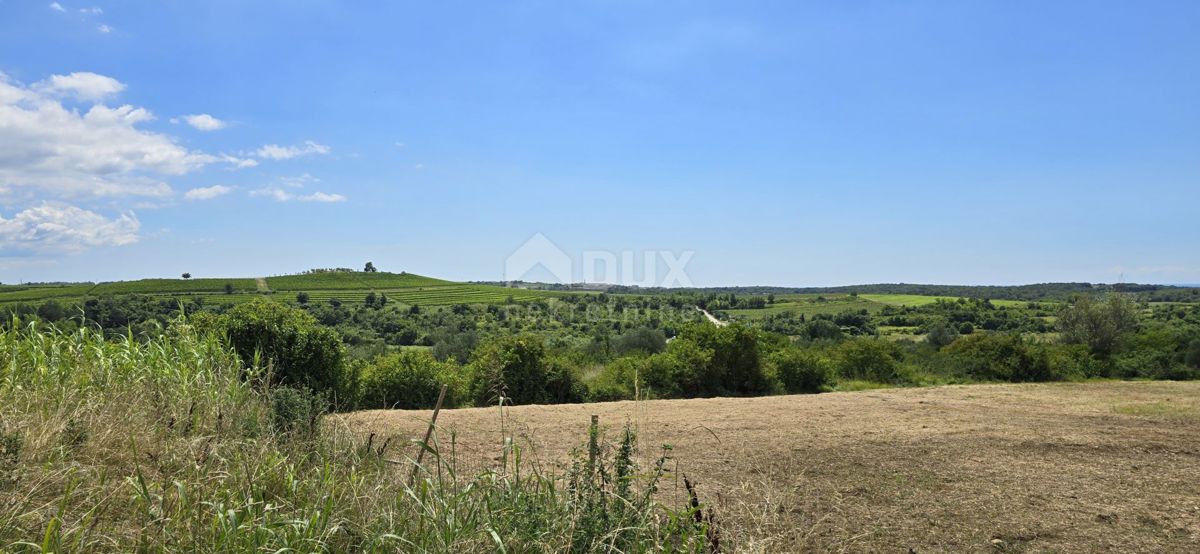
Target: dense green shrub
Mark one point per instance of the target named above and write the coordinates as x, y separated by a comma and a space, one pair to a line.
869, 360
409, 379
941, 334
1001, 357
801, 371
707, 360
821, 329
618, 380
1192, 357
296, 412
516, 368
644, 339
292, 345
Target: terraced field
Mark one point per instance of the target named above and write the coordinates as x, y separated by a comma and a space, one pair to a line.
348, 287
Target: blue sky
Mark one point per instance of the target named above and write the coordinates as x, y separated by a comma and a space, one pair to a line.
782, 143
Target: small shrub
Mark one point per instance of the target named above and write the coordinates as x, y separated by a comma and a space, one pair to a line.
941, 335
517, 368
409, 379
869, 359
296, 412
1001, 357
801, 371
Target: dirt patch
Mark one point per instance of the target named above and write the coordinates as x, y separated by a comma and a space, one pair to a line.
980, 468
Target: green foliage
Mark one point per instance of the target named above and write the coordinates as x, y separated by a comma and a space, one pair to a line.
176, 462
941, 334
1099, 324
1192, 357
869, 359
410, 379
821, 329
801, 371
517, 369
10, 449
707, 360
298, 351
1001, 357
296, 412
642, 339
604, 492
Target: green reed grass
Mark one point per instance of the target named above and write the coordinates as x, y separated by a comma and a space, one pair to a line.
167, 445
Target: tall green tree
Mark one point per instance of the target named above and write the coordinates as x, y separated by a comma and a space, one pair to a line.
1099, 324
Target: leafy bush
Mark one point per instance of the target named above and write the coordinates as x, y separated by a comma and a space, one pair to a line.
707, 360
649, 341
1001, 357
409, 379
298, 351
618, 380
801, 371
941, 334
296, 412
516, 368
870, 360
821, 329
1192, 357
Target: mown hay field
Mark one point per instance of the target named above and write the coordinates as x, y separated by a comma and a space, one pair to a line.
1076, 467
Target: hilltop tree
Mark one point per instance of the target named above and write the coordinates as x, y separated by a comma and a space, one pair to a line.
187, 275
369, 268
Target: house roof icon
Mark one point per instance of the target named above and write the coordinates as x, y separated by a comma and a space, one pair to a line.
538, 251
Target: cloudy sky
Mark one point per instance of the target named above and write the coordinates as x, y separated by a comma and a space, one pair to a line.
778, 142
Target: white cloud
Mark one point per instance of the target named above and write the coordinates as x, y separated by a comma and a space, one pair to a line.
49, 148
240, 163
277, 152
57, 228
281, 195
207, 193
323, 197
83, 85
104, 28
205, 122
57, 7
299, 180
94, 10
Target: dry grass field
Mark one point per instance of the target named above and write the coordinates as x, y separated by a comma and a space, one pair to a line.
1090, 467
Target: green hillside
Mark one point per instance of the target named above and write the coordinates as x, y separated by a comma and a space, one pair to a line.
345, 286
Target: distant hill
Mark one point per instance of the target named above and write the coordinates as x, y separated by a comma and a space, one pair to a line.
345, 286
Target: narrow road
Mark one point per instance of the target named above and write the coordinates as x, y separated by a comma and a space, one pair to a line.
261, 282
712, 319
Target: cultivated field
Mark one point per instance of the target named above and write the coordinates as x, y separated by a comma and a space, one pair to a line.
1108, 466
405, 288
